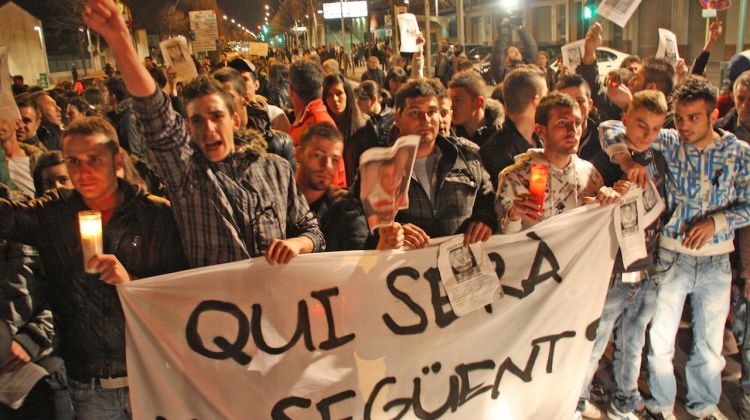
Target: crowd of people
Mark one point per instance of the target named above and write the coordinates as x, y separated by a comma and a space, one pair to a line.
260, 158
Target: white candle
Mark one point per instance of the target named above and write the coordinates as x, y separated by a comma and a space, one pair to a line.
91, 236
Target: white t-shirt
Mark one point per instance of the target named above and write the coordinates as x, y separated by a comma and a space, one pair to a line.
20, 174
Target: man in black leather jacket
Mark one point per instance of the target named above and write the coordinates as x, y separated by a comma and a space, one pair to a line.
140, 239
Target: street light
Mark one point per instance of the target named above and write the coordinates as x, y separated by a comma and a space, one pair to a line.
509, 4
232, 20
225, 17
44, 48
267, 7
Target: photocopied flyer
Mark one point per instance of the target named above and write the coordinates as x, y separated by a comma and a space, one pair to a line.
572, 54
668, 46
409, 29
630, 226
177, 56
468, 275
618, 11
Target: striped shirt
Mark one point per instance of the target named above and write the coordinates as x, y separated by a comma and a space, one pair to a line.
226, 211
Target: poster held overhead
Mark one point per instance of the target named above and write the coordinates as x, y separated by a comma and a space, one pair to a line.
409, 28
668, 47
177, 57
258, 48
572, 54
618, 11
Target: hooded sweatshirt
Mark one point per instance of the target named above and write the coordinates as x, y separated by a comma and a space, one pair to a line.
566, 187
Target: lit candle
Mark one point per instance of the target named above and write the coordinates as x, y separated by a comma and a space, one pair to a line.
538, 183
91, 236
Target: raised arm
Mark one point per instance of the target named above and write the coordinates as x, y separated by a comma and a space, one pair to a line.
103, 17
167, 143
714, 32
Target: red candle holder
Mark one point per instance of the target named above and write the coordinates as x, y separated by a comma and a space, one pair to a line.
538, 183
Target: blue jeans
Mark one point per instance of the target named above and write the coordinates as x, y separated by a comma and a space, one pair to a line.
740, 327
707, 280
630, 306
91, 401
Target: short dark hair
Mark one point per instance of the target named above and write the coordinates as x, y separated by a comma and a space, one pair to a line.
82, 106
440, 90
416, 88
116, 86
34, 98
398, 74
25, 101
464, 64
659, 72
323, 130
573, 80
695, 88
630, 59
306, 78
551, 101
228, 74
367, 90
202, 86
48, 159
520, 87
94, 96
471, 81
87, 126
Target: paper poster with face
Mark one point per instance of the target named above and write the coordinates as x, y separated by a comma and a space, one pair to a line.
8, 108
572, 54
468, 275
177, 58
385, 180
668, 47
630, 225
409, 29
618, 11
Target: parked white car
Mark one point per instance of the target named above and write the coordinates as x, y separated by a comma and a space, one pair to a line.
607, 59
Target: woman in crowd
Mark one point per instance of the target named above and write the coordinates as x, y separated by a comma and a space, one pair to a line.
358, 132
77, 108
278, 86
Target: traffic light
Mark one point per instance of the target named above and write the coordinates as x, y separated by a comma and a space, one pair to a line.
589, 12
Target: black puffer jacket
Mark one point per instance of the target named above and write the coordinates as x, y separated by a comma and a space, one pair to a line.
342, 220
88, 316
279, 142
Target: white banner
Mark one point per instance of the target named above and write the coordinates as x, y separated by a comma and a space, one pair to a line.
371, 334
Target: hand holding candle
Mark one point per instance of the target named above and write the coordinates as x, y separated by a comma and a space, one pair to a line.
538, 183
90, 223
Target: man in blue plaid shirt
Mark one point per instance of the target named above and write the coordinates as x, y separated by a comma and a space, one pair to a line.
707, 198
